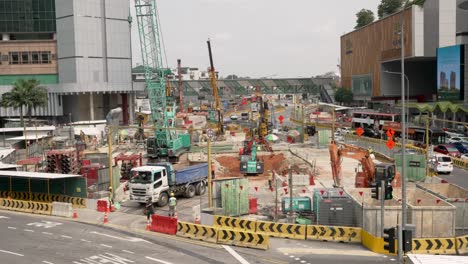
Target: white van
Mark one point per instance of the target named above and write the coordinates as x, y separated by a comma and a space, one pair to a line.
442, 163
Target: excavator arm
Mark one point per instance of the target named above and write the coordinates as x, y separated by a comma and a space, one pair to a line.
367, 175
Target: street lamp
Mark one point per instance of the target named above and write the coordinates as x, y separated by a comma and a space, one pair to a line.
403, 138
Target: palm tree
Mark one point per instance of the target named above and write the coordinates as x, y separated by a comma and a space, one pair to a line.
26, 93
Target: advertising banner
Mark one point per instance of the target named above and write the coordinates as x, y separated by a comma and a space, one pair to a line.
449, 73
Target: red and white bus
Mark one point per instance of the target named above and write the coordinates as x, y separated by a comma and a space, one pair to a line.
370, 119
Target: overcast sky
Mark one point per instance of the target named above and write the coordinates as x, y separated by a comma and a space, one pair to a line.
256, 38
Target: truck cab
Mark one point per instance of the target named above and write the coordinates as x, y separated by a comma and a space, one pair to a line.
149, 181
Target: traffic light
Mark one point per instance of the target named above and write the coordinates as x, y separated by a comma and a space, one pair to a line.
388, 191
375, 191
407, 240
389, 239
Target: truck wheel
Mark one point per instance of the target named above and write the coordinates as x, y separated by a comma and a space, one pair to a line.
163, 199
200, 189
190, 191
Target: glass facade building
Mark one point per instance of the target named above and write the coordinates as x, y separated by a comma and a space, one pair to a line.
27, 16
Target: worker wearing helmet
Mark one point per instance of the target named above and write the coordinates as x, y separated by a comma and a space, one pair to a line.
172, 205
149, 208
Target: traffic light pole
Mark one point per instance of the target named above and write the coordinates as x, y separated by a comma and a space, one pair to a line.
382, 207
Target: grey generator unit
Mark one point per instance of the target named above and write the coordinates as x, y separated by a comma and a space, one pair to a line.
334, 207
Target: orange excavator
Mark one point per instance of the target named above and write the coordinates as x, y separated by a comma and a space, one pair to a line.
367, 173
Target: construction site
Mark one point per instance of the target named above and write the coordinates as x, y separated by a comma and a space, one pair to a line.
278, 159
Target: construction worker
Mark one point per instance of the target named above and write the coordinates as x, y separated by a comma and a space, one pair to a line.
270, 179
213, 168
172, 205
111, 198
149, 208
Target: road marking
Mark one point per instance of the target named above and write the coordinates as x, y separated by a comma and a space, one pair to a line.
13, 253
128, 251
84, 240
130, 239
28, 230
104, 258
47, 233
45, 224
104, 245
47, 262
235, 254
158, 260
10, 227
323, 251
64, 236
4, 217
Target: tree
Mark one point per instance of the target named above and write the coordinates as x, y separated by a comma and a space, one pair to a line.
26, 93
231, 77
364, 17
387, 7
343, 95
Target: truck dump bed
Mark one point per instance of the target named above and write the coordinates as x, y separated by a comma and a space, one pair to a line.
190, 174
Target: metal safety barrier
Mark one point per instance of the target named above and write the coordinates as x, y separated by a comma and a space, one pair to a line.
243, 239
281, 230
334, 233
44, 198
26, 206
434, 246
196, 231
461, 243
223, 236
235, 223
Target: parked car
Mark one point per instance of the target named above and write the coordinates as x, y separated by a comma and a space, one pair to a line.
369, 132
344, 130
448, 149
441, 163
464, 157
456, 139
408, 151
461, 146
234, 117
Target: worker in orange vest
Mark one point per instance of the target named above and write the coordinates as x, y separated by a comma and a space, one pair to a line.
212, 170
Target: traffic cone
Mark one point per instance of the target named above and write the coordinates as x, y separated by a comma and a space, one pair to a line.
175, 215
75, 215
106, 220
197, 220
148, 226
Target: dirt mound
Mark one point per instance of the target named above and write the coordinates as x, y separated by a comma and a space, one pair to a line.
230, 165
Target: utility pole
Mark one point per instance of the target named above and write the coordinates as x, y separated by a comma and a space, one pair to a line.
303, 129
210, 182
382, 207
427, 144
179, 73
403, 138
291, 213
109, 144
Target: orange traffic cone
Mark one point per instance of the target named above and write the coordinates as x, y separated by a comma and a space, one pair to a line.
175, 215
106, 220
148, 225
197, 220
75, 215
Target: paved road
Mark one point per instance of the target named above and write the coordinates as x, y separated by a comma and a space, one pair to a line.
35, 239
458, 177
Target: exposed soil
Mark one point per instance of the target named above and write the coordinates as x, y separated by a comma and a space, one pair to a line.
229, 166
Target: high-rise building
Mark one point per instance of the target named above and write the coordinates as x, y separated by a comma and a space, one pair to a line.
78, 49
453, 80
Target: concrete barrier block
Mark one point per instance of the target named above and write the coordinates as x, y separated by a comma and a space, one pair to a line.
62, 209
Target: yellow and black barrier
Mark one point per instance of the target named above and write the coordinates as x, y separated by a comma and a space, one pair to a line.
235, 223
462, 244
434, 246
45, 198
334, 233
194, 231
281, 230
26, 206
243, 239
